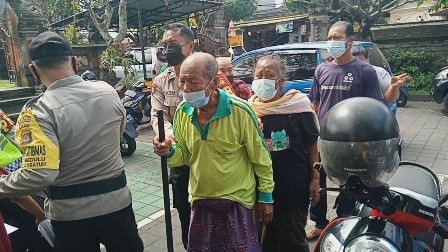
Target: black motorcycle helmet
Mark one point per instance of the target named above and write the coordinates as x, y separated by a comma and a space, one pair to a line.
88, 75
360, 137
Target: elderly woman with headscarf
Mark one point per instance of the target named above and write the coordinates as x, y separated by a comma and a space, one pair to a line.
291, 130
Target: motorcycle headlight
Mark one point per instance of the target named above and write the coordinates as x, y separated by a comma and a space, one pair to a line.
370, 244
331, 244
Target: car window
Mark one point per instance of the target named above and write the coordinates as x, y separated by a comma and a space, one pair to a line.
244, 68
376, 58
299, 64
324, 55
238, 50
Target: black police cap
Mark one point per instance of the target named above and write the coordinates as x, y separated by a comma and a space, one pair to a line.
49, 45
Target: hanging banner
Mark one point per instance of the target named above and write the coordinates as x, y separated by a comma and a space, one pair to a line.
284, 27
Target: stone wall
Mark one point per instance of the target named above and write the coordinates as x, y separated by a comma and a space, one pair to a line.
439, 48
432, 35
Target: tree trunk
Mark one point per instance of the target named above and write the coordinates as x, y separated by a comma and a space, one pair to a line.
226, 33
122, 23
15, 53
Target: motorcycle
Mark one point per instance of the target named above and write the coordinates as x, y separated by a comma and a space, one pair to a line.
136, 102
403, 98
439, 90
403, 215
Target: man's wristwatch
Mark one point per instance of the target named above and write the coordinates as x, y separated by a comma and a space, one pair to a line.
317, 166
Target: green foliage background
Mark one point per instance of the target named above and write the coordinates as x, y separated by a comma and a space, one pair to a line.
418, 63
236, 10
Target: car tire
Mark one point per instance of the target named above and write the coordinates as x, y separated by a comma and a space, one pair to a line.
127, 145
402, 100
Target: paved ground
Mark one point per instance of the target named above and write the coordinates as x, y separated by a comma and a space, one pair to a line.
424, 127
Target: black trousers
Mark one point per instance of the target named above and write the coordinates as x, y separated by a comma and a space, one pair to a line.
286, 232
318, 213
117, 231
27, 237
179, 177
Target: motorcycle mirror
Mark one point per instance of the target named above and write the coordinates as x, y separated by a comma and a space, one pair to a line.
443, 199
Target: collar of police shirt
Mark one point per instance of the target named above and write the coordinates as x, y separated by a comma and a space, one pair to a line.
65, 82
172, 73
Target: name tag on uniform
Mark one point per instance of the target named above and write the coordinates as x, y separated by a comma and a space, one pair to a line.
169, 92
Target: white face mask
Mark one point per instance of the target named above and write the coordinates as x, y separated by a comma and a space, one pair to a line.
336, 48
197, 99
265, 88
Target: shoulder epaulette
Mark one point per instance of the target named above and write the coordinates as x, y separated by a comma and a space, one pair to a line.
31, 101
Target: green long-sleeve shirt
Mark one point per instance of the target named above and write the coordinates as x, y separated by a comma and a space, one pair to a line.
225, 155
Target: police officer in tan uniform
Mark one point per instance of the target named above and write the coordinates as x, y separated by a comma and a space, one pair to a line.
70, 137
178, 40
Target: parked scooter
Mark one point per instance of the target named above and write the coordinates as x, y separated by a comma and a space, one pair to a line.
135, 101
403, 98
401, 216
439, 91
89, 76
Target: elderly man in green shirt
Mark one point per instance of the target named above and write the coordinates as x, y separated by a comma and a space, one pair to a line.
218, 136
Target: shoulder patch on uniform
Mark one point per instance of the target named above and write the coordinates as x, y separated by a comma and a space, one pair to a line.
40, 152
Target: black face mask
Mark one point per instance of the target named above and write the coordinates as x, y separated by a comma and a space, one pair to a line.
174, 55
231, 79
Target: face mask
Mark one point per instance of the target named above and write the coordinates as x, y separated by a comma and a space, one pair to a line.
336, 48
197, 99
174, 55
265, 88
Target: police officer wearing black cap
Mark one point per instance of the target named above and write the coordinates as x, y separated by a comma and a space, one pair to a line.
70, 138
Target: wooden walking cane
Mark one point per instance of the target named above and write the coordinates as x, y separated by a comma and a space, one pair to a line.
166, 192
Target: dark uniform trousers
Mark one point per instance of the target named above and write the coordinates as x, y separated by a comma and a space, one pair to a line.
179, 178
117, 231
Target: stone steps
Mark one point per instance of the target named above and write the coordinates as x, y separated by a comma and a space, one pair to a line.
12, 100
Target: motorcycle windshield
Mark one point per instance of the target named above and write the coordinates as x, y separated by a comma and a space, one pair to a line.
373, 162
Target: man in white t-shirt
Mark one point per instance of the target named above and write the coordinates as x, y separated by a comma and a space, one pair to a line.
389, 85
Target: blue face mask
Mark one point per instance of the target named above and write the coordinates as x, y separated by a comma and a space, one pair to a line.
197, 99
336, 48
265, 88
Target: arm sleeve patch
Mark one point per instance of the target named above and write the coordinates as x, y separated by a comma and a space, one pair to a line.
40, 152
